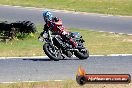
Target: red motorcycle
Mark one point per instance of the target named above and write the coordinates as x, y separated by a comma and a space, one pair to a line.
54, 51
54, 43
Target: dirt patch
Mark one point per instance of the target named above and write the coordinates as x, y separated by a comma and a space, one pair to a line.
75, 85
107, 86
127, 40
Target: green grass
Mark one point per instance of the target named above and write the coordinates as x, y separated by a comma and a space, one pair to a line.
62, 84
50, 84
96, 42
115, 7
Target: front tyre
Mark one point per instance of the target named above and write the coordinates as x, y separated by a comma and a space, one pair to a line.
82, 54
52, 52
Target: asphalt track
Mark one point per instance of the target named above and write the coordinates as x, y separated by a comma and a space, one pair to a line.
98, 22
41, 69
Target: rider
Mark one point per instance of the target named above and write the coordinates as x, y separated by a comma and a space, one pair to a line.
56, 27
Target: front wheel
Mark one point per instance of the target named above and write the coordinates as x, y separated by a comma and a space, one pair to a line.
52, 52
82, 54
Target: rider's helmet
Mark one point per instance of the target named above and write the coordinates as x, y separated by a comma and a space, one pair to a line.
47, 15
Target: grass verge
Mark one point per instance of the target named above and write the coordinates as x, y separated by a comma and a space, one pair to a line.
115, 7
62, 84
97, 43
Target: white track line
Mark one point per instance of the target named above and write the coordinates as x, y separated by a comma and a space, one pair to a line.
42, 57
119, 55
129, 34
32, 57
30, 81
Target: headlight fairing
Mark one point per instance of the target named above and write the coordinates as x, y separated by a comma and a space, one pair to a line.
45, 35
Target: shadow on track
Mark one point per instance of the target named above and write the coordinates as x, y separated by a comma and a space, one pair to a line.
38, 59
50, 59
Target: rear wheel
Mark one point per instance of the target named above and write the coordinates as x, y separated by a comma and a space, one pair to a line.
52, 52
82, 54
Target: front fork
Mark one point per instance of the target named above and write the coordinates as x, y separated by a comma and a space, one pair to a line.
50, 37
51, 40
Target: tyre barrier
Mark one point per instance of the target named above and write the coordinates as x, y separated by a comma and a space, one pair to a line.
11, 29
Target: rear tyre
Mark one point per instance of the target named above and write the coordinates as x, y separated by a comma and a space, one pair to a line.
52, 52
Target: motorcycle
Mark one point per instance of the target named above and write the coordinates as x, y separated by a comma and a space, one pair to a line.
53, 46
